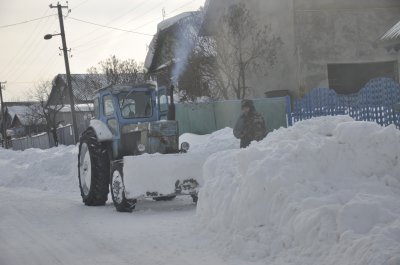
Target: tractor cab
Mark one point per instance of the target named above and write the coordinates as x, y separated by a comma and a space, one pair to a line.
136, 117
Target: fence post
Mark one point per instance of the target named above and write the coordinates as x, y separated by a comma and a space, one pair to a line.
289, 111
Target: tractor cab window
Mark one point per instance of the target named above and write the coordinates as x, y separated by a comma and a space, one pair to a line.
163, 100
135, 104
108, 106
96, 108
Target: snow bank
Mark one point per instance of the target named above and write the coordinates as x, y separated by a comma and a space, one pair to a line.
54, 169
211, 143
325, 191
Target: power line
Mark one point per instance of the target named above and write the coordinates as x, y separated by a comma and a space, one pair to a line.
94, 42
108, 27
78, 5
33, 51
21, 82
169, 13
102, 37
118, 17
26, 48
145, 13
24, 22
111, 21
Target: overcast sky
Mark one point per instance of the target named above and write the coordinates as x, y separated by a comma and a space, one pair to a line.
26, 58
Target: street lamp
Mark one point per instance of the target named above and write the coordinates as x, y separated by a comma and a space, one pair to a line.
49, 36
69, 83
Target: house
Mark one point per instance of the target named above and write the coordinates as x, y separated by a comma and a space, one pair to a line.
161, 55
84, 87
326, 43
20, 121
170, 59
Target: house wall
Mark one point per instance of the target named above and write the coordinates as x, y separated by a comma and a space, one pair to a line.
340, 31
316, 33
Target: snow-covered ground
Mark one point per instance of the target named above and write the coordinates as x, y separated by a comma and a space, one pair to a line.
325, 191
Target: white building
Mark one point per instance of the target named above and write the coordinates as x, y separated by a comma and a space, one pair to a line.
326, 43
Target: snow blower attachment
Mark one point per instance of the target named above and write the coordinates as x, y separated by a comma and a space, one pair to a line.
131, 147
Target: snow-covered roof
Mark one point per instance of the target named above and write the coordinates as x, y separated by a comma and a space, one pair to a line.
172, 21
164, 25
84, 85
78, 107
392, 34
21, 111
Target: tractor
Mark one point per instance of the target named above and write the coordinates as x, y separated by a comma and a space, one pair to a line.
131, 147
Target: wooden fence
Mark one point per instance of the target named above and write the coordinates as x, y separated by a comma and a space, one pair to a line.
44, 140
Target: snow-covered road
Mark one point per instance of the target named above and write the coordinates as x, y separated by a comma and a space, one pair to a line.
46, 228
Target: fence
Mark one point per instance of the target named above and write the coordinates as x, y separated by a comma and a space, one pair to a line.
378, 101
205, 118
202, 118
44, 141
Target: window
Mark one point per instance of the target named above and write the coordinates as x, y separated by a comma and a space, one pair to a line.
96, 108
163, 99
108, 106
350, 78
135, 104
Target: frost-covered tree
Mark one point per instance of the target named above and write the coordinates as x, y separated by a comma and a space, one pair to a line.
118, 71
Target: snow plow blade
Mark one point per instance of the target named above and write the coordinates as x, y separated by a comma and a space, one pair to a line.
154, 175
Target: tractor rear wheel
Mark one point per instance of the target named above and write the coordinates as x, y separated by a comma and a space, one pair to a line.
93, 169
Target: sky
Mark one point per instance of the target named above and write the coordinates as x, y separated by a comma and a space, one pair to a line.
26, 59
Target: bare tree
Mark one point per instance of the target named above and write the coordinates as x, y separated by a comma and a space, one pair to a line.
117, 71
240, 47
43, 113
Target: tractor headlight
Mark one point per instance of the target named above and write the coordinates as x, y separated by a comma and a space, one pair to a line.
185, 146
141, 148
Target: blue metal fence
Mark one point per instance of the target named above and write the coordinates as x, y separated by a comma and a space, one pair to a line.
378, 101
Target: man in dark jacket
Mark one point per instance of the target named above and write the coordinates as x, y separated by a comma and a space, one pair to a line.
250, 126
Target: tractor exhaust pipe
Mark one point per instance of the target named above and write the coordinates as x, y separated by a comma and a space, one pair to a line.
171, 107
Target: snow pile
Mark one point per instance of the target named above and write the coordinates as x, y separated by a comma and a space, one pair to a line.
211, 143
55, 169
325, 191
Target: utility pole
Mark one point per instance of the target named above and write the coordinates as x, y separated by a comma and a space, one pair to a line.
69, 83
3, 118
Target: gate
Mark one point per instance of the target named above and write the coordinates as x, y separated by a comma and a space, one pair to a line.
378, 101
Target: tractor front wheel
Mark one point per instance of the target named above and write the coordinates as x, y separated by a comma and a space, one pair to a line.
121, 203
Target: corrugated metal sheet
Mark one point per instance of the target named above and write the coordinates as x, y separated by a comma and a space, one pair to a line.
393, 33
205, 118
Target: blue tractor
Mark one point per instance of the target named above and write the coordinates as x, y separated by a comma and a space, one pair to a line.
132, 148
